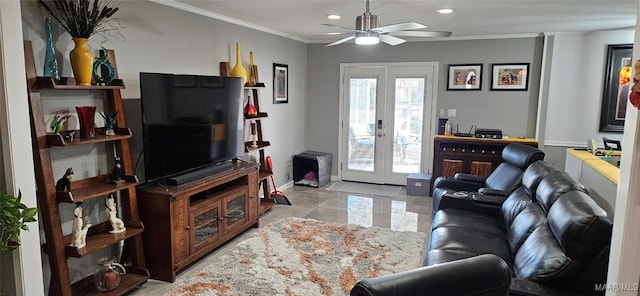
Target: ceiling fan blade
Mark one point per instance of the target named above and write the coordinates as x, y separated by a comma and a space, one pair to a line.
338, 26
343, 40
400, 27
421, 33
391, 40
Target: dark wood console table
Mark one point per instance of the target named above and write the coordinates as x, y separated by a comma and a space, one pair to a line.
185, 222
477, 156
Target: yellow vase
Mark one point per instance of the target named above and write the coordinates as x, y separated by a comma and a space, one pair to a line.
81, 61
238, 70
251, 77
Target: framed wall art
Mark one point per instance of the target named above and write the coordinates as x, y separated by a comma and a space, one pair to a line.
465, 77
615, 90
280, 83
510, 76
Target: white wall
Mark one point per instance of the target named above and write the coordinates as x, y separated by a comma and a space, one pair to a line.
575, 87
163, 39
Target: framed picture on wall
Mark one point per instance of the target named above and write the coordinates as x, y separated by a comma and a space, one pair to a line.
615, 90
465, 77
510, 76
280, 83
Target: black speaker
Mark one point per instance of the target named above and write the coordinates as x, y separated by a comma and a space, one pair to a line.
441, 123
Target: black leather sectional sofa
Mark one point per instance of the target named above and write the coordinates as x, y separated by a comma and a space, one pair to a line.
550, 233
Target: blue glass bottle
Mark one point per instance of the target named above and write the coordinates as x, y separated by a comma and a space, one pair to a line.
50, 61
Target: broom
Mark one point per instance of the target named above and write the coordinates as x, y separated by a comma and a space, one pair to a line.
276, 195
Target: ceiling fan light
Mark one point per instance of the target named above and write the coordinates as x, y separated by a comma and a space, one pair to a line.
367, 38
444, 10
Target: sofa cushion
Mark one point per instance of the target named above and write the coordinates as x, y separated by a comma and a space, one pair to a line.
468, 220
580, 225
506, 177
523, 225
469, 241
540, 258
513, 205
554, 185
534, 174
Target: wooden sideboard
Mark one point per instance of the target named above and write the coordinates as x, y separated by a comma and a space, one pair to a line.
185, 222
477, 156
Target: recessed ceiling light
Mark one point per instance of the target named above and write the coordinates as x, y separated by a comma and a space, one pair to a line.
445, 10
333, 17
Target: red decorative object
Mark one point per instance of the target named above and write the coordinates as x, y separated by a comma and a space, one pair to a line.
86, 118
250, 110
634, 98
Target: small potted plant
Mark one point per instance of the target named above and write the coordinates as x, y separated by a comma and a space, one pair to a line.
13, 217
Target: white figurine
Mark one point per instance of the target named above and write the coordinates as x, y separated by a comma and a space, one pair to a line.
116, 223
79, 232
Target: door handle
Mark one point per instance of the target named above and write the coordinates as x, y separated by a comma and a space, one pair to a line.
380, 134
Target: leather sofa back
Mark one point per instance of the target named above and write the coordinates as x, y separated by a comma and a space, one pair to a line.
554, 185
557, 238
520, 155
525, 194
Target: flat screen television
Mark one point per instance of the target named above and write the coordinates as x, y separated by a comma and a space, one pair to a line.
190, 123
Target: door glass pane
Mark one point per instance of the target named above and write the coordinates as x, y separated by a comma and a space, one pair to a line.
362, 117
206, 224
407, 128
235, 211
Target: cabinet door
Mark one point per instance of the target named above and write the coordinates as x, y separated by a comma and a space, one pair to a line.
236, 206
181, 227
205, 220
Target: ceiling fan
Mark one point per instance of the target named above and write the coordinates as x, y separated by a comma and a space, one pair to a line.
367, 31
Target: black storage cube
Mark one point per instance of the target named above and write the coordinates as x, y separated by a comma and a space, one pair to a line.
312, 168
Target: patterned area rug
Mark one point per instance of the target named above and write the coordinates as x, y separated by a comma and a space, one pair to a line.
297, 256
365, 188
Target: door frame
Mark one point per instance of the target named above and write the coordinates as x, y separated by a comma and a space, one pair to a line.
429, 126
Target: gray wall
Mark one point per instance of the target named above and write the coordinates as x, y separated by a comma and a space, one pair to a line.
162, 39
512, 111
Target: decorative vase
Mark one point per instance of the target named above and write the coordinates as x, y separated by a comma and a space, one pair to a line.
100, 64
252, 80
250, 110
238, 70
86, 118
50, 62
108, 274
81, 61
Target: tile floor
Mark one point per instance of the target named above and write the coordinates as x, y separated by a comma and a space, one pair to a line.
402, 212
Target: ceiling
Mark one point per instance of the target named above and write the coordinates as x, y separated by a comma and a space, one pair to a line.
301, 19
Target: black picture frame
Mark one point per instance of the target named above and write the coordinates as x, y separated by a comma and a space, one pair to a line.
464, 77
510, 76
280, 83
615, 93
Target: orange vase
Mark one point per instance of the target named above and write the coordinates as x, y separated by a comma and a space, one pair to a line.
81, 61
249, 109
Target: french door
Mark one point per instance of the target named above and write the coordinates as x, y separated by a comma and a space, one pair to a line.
387, 121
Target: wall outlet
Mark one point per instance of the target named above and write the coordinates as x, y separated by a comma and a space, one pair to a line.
451, 112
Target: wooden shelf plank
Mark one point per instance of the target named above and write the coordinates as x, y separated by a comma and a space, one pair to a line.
266, 204
261, 145
59, 140
99, 186
134, 278
264, 174
258, 85
260, 115
70, 83
99, 237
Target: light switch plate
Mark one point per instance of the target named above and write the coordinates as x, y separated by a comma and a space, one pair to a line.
451, 112
441, 112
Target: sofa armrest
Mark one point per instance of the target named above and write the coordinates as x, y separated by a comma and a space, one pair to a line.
457, 185
489, 191
480, 275
469, 178
489, 199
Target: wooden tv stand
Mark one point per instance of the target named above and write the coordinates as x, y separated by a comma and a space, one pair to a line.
185, 222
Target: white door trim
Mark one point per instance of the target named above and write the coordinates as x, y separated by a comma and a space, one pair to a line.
429, 127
